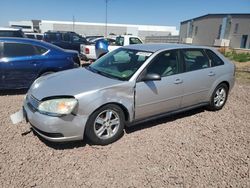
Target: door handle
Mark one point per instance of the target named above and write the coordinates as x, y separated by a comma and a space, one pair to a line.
211, 73
178, 81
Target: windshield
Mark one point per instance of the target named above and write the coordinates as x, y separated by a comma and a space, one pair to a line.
120, 64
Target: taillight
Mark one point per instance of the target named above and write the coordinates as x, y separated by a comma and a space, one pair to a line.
86, 50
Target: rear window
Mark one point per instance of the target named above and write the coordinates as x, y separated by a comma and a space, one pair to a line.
20, 50
215, 60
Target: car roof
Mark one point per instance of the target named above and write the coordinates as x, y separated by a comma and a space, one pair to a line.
58, 32
9, 29
154, 47
26, 33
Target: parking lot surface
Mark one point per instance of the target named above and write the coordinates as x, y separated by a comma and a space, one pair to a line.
194, 149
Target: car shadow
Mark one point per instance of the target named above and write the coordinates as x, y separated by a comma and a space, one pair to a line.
13, 92
128, 130
167, 119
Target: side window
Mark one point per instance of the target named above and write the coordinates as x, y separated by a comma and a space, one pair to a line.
39, 37
40, 50
51, 37
165, 64
215, 60
66, 37
134, 40
31, 36
20, 50
194, 59
76, 38
111, 41
119, 41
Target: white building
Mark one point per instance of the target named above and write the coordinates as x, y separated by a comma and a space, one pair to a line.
85, 28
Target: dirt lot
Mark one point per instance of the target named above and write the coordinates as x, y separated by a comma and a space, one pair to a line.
194, 149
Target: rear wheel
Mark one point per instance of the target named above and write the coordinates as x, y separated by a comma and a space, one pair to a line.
105, 125
219, 97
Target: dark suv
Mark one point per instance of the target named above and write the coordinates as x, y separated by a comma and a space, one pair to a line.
11, 32
64, 39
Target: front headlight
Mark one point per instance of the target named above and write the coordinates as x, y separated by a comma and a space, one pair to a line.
57, 107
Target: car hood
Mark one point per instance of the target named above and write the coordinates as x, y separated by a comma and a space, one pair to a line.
70, 83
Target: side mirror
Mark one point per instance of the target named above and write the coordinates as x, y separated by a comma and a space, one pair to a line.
151, 77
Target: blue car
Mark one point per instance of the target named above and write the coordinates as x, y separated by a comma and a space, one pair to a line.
23, 60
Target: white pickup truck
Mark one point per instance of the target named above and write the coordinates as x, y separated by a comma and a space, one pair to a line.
88, 52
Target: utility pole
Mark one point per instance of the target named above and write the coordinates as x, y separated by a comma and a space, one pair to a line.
106, 25
74, 23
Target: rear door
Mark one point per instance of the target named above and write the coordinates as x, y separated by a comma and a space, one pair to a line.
22, 64
198, 76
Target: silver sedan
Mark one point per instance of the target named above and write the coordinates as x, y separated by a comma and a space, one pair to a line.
129, 85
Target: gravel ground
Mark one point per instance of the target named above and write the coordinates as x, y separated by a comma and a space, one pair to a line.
195, 149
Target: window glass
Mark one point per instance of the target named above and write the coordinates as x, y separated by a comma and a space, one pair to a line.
10, 34
165, 64
78, 38
30, 36
51, 36
40, 50
111, 41
134, 40
18, 49
66, 37
196, 30
39, 37
120, 64
194, 60
119, 41
215, 60
236, 28
219, 32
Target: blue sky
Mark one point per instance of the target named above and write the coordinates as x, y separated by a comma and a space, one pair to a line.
148, 12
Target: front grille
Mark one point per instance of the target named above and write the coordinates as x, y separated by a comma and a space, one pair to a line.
32, 102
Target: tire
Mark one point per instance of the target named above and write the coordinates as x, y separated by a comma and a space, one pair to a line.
219, 97
105, 125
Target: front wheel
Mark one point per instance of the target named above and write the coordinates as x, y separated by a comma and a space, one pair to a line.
105, 125
219, 97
